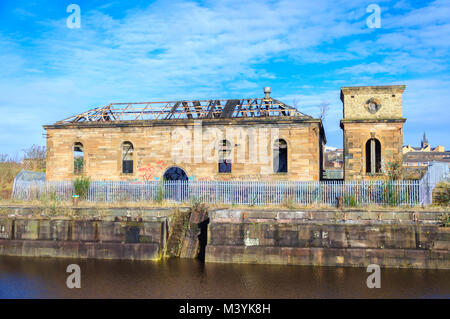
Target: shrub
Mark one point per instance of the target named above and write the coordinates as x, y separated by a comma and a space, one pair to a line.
81, 186
392, 195
9, 168
441, 194
288, 202
34, 158
445, 218
349, 200
197, 206
160, 192
394, 169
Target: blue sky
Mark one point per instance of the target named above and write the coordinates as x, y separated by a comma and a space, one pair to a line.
170, 50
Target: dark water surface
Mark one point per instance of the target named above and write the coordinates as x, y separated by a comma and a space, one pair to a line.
24, 277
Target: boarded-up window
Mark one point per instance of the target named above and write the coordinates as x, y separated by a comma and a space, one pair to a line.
127, 158
78, 158
225, 157
280, 149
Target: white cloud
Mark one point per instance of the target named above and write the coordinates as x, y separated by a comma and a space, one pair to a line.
182, 50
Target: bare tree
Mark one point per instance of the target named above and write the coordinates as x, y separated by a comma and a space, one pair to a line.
34, 157
323, 110
294, 104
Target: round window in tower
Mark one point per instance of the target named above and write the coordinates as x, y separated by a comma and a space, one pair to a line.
373, 105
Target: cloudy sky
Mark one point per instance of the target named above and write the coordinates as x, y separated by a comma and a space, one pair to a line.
170, 50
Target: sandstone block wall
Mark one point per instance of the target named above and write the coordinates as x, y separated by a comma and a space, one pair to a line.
356, 135
157, 147
355, 99
360, 124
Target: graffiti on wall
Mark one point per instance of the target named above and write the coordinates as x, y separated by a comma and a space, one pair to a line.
152, 171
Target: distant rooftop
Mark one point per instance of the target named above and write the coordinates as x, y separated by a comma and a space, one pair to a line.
426, 156
196, 109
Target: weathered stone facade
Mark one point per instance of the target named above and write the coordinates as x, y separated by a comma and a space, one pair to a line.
157, 148
292, 238
372, 113
372, 130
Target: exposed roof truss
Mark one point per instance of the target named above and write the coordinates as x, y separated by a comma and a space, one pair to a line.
197, 109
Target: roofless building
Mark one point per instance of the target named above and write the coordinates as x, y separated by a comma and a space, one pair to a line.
246, 139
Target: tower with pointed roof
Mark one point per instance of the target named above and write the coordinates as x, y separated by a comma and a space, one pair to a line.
424, 141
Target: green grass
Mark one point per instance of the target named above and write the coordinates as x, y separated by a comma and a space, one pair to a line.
349, 200
160, 192
81, 186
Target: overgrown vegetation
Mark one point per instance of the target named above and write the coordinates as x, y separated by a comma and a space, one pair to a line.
33, 160
392, 195
180, 224
349, 200
9, 168
160, 192
288, 202
81, 186
441, 194
445, 218
197, 206
394, 169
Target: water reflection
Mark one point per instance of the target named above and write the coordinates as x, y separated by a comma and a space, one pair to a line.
175, 278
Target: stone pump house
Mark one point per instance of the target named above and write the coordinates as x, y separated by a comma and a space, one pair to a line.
236, 139
373, 129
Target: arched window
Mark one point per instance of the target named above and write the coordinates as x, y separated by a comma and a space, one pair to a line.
175, 173
78, 158
225, 157
280, 156
127, 158
373, 156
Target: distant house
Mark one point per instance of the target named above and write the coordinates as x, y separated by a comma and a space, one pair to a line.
333, 163
424, 147
420, 157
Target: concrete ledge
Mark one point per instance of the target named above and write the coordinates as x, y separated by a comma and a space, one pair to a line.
45, 248
353, 216
349, 257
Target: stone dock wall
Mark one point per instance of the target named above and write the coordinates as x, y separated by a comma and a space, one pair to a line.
293, 238
323, 237
140, 236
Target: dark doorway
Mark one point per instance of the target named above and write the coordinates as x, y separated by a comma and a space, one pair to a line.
373, 156
202, 239
175, 174
280, 156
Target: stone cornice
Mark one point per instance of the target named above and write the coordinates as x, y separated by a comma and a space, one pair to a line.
394, 120
382, 89
183, 122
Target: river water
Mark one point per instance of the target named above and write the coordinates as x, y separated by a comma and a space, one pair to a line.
25, 277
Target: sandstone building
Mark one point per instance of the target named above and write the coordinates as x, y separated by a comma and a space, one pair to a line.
421, 157
248, 139
239, 139
424, 147
373, 129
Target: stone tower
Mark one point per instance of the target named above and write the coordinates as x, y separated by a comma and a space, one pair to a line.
373, 129
424, 141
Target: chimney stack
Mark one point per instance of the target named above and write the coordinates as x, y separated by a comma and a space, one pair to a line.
267, 93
